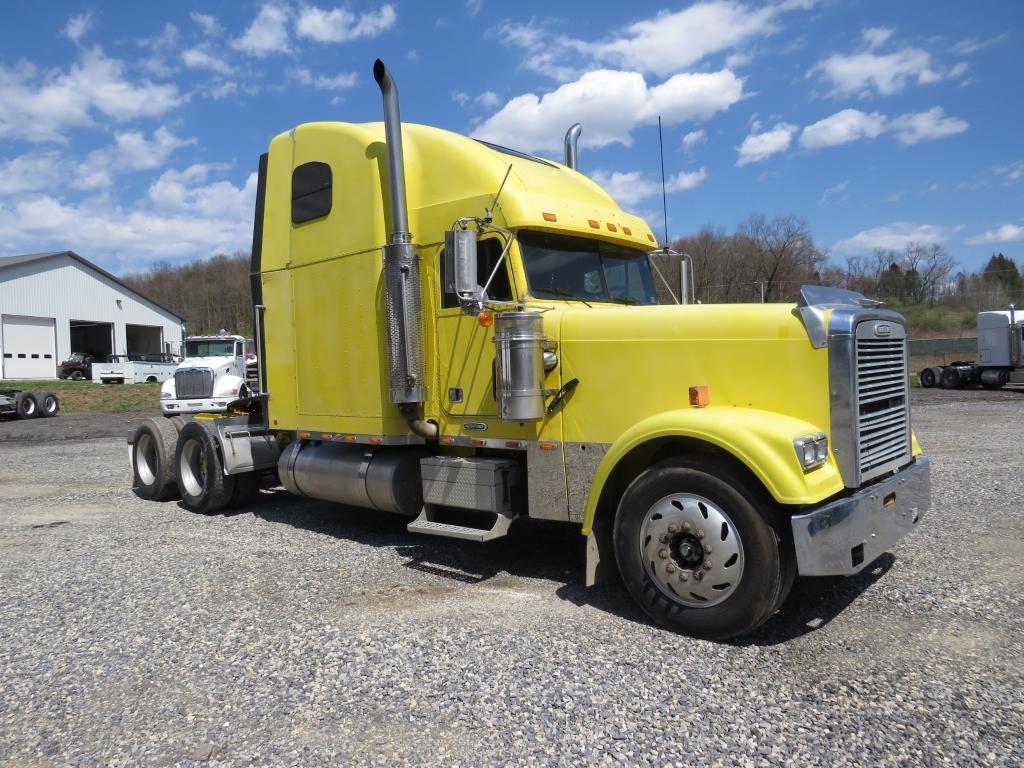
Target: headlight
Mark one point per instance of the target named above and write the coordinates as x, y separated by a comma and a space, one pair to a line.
811, 450
166, 396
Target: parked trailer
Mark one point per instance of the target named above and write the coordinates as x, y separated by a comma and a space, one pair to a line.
486, 344
1000, 356
28, 405
122, 369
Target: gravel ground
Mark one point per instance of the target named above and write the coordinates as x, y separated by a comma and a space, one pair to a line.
300, 633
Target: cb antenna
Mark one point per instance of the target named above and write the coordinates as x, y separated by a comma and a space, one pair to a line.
664, 196
489, 212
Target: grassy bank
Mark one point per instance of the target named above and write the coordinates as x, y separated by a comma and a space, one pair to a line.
87, 397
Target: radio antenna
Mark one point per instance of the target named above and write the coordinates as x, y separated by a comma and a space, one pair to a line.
664, 196
489, 212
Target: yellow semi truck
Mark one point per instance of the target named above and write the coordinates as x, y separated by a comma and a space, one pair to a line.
466, 335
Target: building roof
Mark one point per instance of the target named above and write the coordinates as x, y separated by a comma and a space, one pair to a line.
28, 258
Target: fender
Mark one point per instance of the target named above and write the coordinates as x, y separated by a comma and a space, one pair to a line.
762, 440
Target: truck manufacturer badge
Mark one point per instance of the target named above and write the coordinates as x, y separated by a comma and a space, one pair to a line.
479, 425
882, 329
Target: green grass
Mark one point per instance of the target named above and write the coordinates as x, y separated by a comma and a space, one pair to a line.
89, 397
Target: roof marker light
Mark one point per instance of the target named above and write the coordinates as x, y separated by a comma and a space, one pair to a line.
627, 231
594, 223
550, 217
612, 227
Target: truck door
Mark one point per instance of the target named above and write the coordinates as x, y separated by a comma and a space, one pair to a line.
465, 347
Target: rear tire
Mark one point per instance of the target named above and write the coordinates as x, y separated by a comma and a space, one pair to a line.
697, 505
77, 376
950, 378
927, 377
153, 469
25, 405
47, 404
203, 486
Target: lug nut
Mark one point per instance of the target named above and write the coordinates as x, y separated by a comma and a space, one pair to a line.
698, 575
673, 528
699, 534
707, 548
684, 576
670, 567
663, 553
663, 538
707, 565
687, 527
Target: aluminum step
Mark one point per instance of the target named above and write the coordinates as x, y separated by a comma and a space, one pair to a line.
426, 524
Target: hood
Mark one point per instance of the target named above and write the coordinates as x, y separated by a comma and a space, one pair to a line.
645, 359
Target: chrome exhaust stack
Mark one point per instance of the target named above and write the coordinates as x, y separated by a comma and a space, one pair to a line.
402, 297
572, 136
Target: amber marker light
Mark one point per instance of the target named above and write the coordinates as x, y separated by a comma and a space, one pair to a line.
594, 223
550, 217
349, 438
477, 442
548, 446
513, 444
446, 440
326, 436
699, 396
650, 237
627, 231
612, 227
485, 318
376, 440
304, 435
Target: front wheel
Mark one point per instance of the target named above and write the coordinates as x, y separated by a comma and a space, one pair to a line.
153, 469
696, 550
25, 405
201, 480
927, 377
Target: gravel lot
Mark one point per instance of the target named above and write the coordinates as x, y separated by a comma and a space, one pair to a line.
300, 633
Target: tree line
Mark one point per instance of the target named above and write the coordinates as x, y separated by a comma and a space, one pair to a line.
763, 260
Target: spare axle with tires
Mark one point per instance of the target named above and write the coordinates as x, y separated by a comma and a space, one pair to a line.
28, 405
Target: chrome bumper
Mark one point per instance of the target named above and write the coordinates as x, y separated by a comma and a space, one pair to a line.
843, 537
202, 405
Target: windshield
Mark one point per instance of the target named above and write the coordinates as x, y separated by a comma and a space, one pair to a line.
585, 269
77, 357
210, 348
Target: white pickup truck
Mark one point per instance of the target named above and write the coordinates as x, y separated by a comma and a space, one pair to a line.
211, 376
131, 369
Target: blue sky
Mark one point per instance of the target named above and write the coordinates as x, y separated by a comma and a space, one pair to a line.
130, 132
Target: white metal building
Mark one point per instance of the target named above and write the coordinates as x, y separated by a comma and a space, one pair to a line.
53, 304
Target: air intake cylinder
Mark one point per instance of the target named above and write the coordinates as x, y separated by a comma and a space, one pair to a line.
519, 351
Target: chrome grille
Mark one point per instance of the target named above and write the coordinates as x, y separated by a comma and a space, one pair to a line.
193, 382
882, 410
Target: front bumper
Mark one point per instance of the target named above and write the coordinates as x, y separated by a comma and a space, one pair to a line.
200, 405
843, 537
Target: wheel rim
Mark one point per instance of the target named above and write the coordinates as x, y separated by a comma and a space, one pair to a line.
28, 406
146, 459
193, 468
691, 550
50, 405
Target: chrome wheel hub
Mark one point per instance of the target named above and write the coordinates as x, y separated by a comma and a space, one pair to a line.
691, 550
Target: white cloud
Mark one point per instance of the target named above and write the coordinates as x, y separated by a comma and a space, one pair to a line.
610, 104
78, 26
959, 69
197, 58
473, 6
835, 193
43, 107
885, 74
693, 138
488, 100
1007, 233
341, 25
267, 34
760, 146
31, 172
629, 188
842, 128
922, 126
131, 151
1011, 172
973, 44
207, 23
875, 37
203, 218
340, 82
895, 236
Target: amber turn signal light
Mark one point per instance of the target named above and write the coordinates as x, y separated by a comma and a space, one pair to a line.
699, 396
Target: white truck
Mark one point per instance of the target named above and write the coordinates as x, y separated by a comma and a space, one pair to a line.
209, 379
132, 369
1000, 356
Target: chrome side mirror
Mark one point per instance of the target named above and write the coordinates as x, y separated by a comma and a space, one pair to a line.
460, 263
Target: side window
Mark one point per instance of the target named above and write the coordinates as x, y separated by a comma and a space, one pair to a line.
311, 192
488, 251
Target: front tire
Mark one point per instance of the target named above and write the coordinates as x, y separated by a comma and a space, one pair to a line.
203, 486
696, 550
25, 405
928, 378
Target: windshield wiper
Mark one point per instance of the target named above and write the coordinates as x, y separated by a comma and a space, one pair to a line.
624, 300
562, 293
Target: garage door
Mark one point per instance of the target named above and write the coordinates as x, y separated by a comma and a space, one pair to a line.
28, 345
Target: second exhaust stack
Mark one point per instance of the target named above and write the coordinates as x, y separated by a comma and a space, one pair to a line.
402, 298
